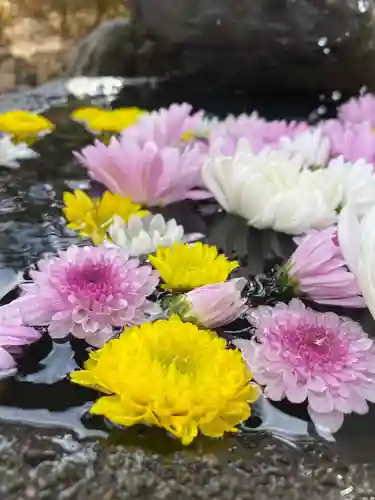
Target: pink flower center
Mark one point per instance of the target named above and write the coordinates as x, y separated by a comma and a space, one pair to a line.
312, 347
92, 280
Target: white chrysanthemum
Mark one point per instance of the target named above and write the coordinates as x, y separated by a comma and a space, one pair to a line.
270, 190
140, 236
10, 153
311, 145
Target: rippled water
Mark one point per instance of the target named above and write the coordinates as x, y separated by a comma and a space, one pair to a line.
31, 224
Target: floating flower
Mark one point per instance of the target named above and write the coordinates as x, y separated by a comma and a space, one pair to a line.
142, 236
358, 110
11, 153
12, 337
272, 189
184, 267
166, 127
357, 242
170, 374
24, 125
92, 217
87, 291
211, 306
354, 141
148, 174
311, 145
259, 132
318, 270
301, 354
107, 120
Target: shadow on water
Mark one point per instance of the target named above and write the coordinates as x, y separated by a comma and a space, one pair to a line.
31, 224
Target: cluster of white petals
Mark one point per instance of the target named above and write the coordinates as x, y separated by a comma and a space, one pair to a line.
274, 188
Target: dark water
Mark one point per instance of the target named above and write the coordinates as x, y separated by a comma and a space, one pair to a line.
31, 224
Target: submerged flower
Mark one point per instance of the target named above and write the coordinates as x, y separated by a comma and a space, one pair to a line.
358, 110
142, 236
12, 337
300, 354
107, 120
184, 267
354, 141
170, 374
357, 242
87, 291
318, 269
165, 127
259, 132
148, 174
11, 153
272, 189
24, 124
211, 306
92, 217
311, 145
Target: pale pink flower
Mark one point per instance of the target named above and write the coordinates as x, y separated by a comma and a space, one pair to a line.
259, 132
165, 127
211, 306
87, 291
147, 174
357, 110
319, 270
12, 337
353, 141
301, 354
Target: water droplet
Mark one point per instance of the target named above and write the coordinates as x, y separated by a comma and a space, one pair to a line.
326, 50
363, 5
321, 110
336, 95
218, 22
322, 42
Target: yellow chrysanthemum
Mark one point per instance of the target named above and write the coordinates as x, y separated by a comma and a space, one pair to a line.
91, 217
172, 375
184, 267
107, 120
24, 124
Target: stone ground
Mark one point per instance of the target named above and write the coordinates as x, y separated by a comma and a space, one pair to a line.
37, 466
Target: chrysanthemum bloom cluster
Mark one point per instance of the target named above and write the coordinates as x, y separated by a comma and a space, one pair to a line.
24, 125
140, 236
318, 270
107, 120
146, 173
311, 145
165, 127
92, 217
170, 374
87, 291
300, 354
259, 132
273, 189
211, 306
184, 267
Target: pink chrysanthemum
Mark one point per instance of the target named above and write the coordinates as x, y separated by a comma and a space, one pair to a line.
12, 337
165, 127
301, 354
357, 110
353, 141
318, 269
259, 132
87, 291
146, 173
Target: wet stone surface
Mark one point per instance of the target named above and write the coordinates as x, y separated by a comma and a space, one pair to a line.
51, 449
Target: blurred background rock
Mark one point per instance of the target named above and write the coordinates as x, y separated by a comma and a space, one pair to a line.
38, 37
